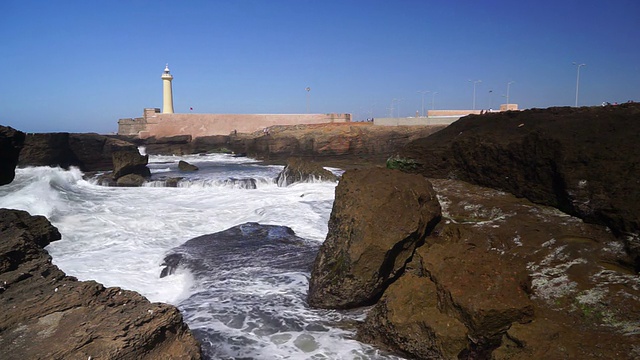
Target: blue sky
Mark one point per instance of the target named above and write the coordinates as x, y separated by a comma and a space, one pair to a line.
79, 66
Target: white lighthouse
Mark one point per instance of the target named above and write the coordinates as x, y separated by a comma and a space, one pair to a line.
167, 93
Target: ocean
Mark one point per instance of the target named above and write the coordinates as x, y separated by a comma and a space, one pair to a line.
242, 292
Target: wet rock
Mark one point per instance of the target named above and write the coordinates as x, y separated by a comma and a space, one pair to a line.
583, 161
11, 141
185, 166
299, 170
378, 218
130, 180
128, 162
206, 254
88, 152
50, 315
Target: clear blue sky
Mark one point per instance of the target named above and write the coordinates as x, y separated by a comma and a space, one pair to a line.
79, 66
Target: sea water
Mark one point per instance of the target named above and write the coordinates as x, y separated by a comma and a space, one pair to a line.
248, 309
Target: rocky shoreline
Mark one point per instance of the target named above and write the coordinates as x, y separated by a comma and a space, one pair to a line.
50, 315
503, 236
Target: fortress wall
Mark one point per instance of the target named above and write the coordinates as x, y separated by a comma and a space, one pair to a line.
196, 125
131, 126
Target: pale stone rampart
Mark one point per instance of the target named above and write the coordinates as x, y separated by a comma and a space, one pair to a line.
164, 125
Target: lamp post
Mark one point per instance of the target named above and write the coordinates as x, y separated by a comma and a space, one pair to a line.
398, 101
308, 90
423, 92
578, 80
474, 91
490, 100
508, 85
433, 100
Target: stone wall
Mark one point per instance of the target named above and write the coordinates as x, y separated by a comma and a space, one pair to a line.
158, 125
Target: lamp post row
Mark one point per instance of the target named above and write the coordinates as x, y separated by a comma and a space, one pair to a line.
475, 82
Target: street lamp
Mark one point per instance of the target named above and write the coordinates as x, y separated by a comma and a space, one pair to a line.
308, 90
508, 85
423, 92
578, 80
474, 91
433, 100
398, 101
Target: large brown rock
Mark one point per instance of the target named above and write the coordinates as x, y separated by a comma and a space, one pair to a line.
379, 217
47, 314
583, 161
88, 152
11, 141
525, 281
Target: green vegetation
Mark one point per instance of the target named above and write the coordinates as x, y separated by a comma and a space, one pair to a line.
402, 164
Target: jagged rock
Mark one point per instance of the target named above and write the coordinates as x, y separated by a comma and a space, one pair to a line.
11, 141
50, 315
128, 162
185, 166
378, 218
526, 281
299, 170
88, 152
130, 180
583, 161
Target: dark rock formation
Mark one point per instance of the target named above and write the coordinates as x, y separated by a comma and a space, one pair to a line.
47, 314
127, 162
339, 144
516, 280
185, 166
379, 217
584, 161
299, 170
11, 141
89, 152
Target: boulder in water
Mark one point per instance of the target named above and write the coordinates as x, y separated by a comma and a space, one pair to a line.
128, 162
50, 315
185, 166
11, 141
130, 180
299, 170
378, 219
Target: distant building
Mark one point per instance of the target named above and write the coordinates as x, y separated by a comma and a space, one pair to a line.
167, 123
438, 117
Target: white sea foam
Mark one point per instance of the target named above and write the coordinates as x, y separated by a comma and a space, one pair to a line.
119, 237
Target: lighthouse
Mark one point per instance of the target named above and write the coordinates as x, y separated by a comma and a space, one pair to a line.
167, 93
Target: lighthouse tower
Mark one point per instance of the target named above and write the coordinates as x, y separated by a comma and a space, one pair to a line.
167, 93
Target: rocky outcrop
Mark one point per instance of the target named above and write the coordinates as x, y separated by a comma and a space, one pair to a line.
11, 141
340, 144
378, 219
185, 166
47, 314
299, 170
502, 278
583, 161
127, 162
88, 152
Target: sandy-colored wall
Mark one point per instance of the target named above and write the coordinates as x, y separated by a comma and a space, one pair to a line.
196, 125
